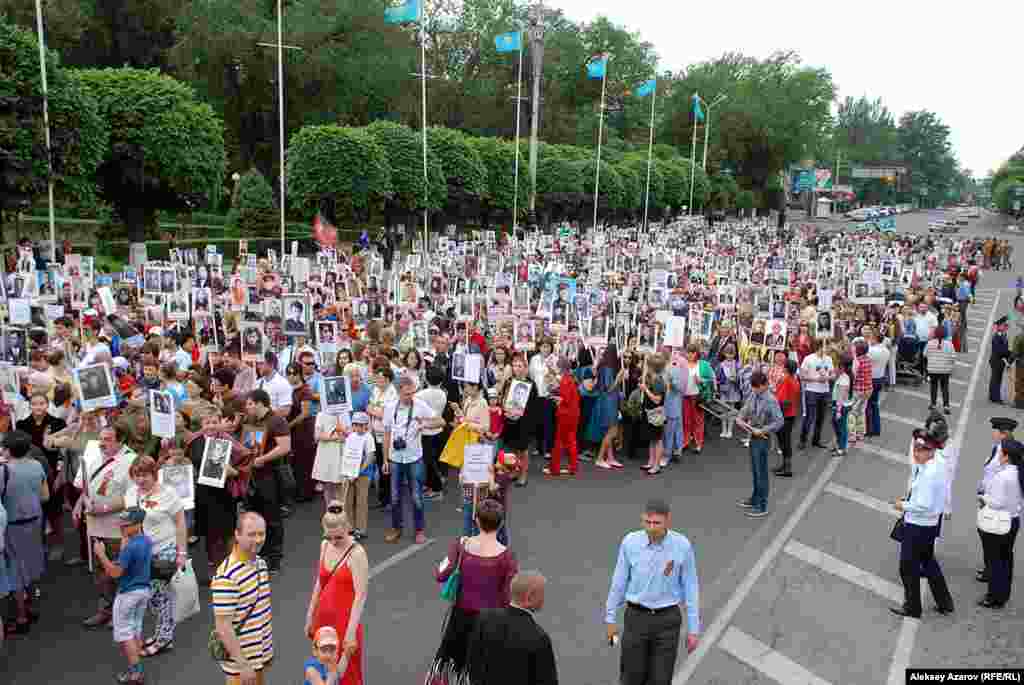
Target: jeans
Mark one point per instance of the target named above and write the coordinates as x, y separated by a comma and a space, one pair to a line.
840, 426
940, 380
816, 406
874, 416
413, 474
759, 469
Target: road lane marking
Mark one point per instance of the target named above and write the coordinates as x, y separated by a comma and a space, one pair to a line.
766, 660
957, 381
848, 572
861, 498
965, 365
916, 423
400, 556
904, 648
896, 457
725, 616
922, 395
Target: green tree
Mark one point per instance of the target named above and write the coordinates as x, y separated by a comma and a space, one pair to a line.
677, 182
632, 189
559, 185
745, 200
166, 149
611, 193
464, 171
78, 138
337, 169
499, 159
254, 211
404, 150
925, 146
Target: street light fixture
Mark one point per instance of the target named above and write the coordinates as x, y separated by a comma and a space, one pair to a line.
536, 34
707, 128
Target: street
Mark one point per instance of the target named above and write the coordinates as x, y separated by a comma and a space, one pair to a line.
801, 596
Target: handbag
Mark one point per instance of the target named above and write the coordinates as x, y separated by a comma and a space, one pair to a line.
217, 649
162, 569
186, 593
656, 417
450, 589
993, 521
897, 531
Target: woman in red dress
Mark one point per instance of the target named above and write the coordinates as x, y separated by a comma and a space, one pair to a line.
339, 593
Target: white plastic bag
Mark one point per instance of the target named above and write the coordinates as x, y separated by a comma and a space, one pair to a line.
186, 593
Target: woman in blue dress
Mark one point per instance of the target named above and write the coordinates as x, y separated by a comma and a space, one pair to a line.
605, 414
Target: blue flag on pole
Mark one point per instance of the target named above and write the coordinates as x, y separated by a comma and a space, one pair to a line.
405, 13
698, 113
597, 66
646, 88
508, 42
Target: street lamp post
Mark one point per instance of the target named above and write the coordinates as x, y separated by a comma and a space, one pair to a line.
707, 128
536, 33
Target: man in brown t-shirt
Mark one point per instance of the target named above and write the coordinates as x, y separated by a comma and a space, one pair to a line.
268, 434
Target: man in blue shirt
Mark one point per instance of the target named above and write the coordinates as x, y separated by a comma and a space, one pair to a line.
922, 512
656, 571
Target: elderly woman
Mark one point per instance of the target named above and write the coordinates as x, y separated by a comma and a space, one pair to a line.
165, 527
24, 493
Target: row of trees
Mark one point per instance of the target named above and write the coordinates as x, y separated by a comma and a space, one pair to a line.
1008, 183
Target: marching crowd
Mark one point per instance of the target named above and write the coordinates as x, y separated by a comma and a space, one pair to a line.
367, 379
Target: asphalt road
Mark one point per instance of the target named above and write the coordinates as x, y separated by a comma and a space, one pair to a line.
797, 597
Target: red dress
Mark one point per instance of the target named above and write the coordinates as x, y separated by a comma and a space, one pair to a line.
337, 595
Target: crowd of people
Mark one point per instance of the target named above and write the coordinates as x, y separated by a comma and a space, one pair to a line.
191, 400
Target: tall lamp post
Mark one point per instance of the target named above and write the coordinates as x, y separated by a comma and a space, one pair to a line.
536, 34
707, 127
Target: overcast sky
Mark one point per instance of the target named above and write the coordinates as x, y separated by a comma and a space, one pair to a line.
957, 60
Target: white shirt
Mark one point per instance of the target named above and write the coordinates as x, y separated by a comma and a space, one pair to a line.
879, 355
398, 418
928, 488
279, 389
1002, 492
538, 372
161, 509
815, 364
183, 360
925, 324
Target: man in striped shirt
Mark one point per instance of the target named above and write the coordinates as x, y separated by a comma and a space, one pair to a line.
241, 605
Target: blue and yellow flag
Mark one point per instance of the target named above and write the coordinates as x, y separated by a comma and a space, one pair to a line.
698, 113
508, 42
405, 13
646, 88
597, 66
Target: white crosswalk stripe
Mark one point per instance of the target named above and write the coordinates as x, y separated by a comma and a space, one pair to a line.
861, 498
889, 455
921, 395
848, 572
916, 423
766, 660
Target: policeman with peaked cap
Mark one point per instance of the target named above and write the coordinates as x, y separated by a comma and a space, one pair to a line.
1002, 431
998, 360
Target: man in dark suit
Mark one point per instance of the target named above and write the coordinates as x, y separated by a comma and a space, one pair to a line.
998, 360
507, 647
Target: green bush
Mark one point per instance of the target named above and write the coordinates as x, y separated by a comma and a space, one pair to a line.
404, 150
337, 163
255, 212
632, 187
499, 159
610, 187
745, 199
463, 169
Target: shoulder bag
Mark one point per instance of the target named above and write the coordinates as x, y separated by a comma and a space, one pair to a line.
993, 521
450, 589
216, 646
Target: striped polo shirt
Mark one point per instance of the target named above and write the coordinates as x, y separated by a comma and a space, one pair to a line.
237, 586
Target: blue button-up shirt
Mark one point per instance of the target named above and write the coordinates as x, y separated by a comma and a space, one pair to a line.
640, 576
927, 498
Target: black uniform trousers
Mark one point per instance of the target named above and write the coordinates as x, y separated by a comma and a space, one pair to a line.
998, 551
917, 558
650, 643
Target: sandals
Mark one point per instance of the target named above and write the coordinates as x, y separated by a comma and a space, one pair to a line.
130, 677
152, 647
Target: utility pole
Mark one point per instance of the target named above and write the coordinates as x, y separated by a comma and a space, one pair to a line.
536, 34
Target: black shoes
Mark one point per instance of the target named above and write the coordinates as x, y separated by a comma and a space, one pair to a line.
944, 610
981, 577
902, 611
989, 603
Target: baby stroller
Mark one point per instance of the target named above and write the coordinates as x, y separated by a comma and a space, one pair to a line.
908, 360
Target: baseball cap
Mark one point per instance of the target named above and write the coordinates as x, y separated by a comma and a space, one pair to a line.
360, 418
132, 516
326, 636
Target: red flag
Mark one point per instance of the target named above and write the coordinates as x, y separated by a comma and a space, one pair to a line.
324, 233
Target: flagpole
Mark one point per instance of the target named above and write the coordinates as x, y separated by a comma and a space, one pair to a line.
693, 158
280, 100
600, 135
519, 98
46, 130
426, 178
650, 153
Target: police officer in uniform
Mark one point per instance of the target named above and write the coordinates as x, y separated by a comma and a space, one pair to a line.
998, 360
1002, 430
